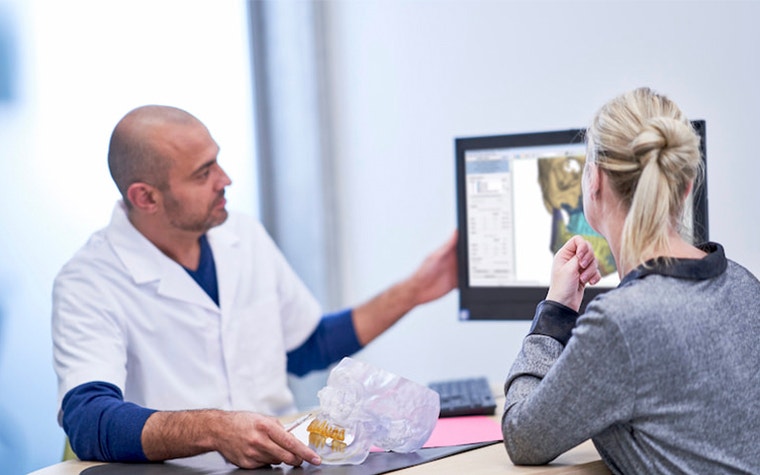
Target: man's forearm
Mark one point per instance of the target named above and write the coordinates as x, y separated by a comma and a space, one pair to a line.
246, 439
378, 314
174, 434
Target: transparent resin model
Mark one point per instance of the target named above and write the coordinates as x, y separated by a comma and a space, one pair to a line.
362, 406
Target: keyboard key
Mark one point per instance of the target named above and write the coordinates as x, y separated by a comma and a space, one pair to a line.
465, 397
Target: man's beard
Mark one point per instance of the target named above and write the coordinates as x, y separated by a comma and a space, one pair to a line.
195, 223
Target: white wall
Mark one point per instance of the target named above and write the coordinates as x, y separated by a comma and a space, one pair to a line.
81, 65
410, 76
407, 77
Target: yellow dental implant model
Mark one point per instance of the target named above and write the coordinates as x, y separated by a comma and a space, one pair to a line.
322, 434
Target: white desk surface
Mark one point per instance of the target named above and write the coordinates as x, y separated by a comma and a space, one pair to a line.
489, 460
492, 459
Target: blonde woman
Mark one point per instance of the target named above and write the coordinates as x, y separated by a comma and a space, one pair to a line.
661, 372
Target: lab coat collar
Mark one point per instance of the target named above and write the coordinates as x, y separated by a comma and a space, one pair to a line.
224, 245
146, 263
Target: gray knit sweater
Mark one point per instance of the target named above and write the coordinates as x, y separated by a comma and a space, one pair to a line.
663, 373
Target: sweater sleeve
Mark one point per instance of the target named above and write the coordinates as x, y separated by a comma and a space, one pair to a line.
555, 320
101, 426
334, 338
557, 395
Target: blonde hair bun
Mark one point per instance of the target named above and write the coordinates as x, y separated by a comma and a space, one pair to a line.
670, 143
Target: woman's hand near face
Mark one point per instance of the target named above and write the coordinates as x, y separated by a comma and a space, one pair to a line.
573, 268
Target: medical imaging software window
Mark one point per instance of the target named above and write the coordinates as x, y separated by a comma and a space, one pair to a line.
522, 205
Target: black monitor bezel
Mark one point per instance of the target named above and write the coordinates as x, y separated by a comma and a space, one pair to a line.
519, 303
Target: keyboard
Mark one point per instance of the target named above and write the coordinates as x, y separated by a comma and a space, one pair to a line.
465, 397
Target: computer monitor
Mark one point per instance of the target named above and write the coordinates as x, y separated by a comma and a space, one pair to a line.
518, 201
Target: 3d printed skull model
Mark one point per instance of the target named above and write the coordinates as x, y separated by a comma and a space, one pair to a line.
362, 406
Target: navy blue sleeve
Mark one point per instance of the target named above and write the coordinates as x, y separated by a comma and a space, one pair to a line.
101, 426
334, 338
554, 320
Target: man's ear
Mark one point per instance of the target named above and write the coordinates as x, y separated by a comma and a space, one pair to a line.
143, 196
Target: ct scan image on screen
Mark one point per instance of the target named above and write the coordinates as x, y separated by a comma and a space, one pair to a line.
522, 205
519, 201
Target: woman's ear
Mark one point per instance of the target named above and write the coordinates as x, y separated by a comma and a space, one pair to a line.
689, 188
600, 178
142, 196
592, 180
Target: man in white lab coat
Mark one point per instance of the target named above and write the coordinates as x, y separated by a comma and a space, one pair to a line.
175, 326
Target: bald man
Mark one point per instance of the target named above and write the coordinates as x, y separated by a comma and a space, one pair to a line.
175, 326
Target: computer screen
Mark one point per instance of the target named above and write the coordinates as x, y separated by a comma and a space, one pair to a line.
518, 201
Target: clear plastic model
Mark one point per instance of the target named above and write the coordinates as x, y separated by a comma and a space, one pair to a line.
362, 406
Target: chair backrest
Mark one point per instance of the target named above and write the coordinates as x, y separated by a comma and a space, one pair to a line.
68, 454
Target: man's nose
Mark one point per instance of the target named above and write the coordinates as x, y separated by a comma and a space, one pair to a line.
223, 179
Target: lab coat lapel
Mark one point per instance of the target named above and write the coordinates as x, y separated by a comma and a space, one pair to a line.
224, 245
146, 263
176, 283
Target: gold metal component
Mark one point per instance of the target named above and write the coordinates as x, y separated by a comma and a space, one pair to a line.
321, 433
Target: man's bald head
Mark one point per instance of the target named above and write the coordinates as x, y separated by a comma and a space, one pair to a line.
135, 153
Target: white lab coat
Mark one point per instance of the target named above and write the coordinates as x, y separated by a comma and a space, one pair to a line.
126, 314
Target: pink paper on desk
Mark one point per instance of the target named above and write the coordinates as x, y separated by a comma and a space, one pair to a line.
450, 431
